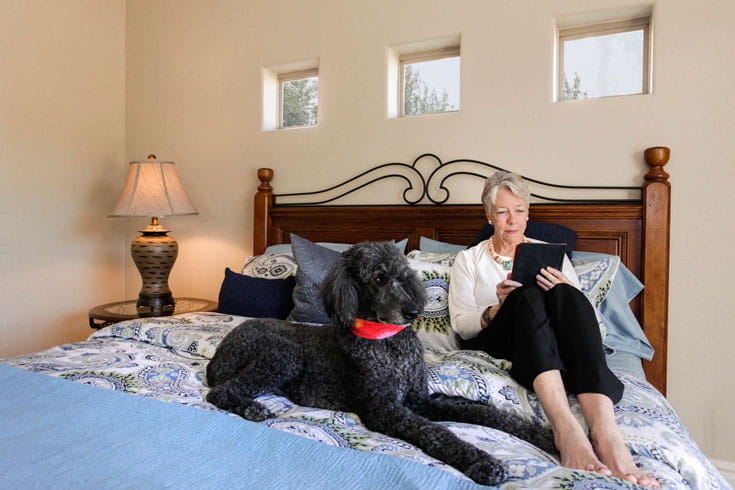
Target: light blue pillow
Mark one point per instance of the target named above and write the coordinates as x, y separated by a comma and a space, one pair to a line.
623, 331
437, 247
401, 244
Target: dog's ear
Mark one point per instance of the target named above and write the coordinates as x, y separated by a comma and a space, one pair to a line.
339, 294
415, 288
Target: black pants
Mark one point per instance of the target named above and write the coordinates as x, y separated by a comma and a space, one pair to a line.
540, 331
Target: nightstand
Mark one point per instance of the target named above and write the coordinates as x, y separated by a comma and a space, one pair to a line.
103, 315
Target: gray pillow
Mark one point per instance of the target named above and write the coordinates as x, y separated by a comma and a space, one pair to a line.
314, 263
285, 248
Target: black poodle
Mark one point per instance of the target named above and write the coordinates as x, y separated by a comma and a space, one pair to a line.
373, 367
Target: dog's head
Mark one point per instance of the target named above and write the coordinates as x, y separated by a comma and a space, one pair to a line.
373, 281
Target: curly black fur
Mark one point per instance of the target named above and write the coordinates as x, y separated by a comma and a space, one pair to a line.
383, 381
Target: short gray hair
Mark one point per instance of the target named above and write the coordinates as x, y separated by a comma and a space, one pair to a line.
508, 180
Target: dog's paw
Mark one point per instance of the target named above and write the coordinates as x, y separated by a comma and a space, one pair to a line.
487, 472
253, 411
247, 408
219, 397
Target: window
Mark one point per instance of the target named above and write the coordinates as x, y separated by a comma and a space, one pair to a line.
429, 82
298, 98
604, 60
291, 95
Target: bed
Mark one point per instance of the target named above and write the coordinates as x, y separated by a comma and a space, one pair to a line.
71, 434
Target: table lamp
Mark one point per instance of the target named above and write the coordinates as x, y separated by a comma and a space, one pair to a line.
153, 189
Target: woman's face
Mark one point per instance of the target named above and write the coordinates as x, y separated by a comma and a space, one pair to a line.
509, 216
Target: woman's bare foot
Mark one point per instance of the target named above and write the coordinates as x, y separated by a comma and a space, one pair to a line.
607, 453
577, 452
611, 449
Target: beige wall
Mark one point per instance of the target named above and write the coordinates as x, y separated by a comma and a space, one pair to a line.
192, 91
62, 143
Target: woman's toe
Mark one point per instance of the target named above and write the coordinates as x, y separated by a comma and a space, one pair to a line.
598, 468
641, 479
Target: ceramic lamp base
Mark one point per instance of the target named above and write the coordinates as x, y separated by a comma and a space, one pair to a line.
154, 254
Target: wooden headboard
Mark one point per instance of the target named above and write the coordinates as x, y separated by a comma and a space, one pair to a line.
635, 229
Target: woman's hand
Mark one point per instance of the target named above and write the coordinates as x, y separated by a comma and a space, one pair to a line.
505, 287
548, 277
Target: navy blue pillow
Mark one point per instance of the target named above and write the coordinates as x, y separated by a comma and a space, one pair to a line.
255, 296
538, 230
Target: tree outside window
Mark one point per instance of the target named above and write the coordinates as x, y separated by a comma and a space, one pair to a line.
430, 85
299, 102
603, 60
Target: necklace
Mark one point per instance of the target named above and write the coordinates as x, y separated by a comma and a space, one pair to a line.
506, 262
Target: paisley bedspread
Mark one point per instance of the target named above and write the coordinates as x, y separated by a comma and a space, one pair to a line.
166, 358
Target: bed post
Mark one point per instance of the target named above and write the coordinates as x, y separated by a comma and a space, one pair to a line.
261, 214
656, 220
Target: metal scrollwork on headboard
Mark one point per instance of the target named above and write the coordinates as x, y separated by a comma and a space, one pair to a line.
414, 182
427, 177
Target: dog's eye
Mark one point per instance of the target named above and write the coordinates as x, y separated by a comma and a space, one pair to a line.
379, 279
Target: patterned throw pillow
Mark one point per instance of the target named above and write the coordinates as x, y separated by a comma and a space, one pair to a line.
596, 273
433, 327
270, 266
441, 258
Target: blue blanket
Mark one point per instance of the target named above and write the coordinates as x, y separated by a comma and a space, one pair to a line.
59, 434
151, 428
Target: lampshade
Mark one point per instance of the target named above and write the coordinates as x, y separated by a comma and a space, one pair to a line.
152, 188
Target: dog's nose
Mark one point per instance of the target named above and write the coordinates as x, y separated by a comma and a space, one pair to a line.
410, 314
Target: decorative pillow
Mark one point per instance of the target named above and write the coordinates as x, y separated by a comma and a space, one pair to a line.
445, 259
255, 297
314, 263
596, 273
434, 327
270, 266
546, 232
435, 246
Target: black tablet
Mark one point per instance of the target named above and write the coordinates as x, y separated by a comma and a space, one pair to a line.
530, 258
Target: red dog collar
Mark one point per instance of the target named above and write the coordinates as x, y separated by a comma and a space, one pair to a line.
374, 330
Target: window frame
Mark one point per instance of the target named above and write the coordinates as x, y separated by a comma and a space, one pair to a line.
291, 76
420, 57
573, 33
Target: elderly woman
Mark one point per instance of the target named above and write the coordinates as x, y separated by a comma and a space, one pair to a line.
548, 330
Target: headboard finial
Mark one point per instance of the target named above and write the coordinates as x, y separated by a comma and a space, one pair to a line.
265, 175
656, 157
